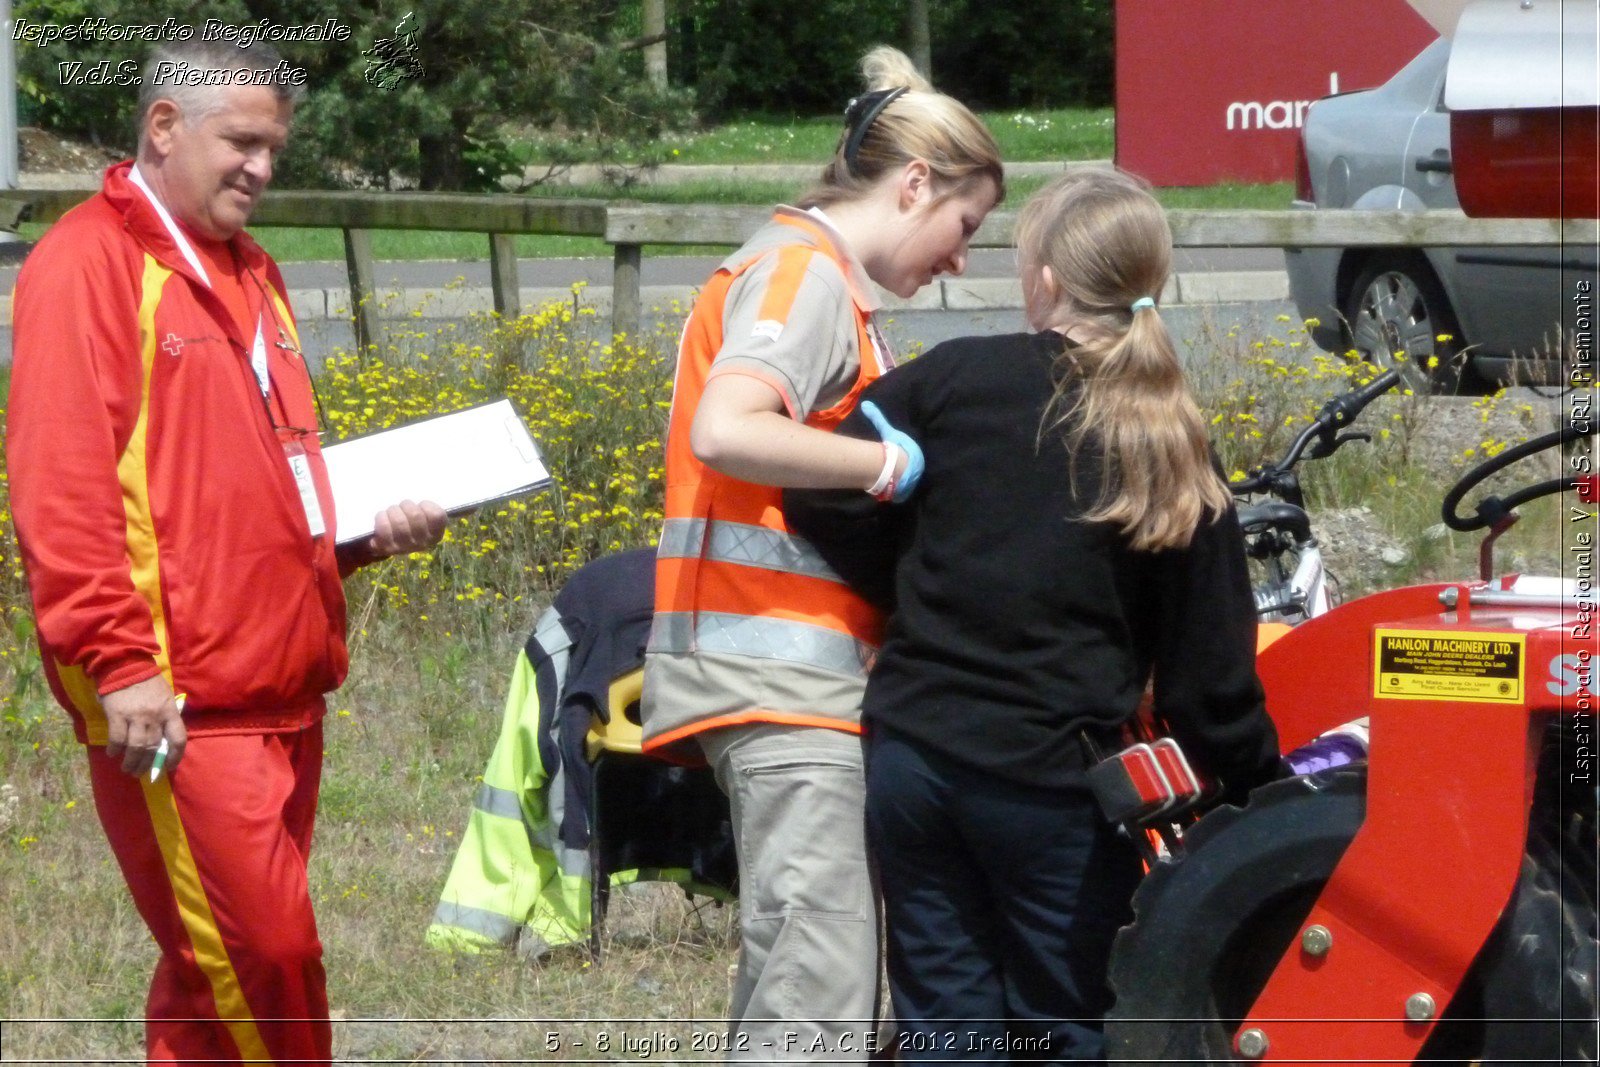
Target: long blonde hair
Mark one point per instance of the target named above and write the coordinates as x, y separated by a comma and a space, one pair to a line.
919, 123
1107, 243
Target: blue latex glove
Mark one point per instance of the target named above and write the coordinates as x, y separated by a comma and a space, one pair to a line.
906, 484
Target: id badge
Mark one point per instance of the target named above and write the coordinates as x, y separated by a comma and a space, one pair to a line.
300, 466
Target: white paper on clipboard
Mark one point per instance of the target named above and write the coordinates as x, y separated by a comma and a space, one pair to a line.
458, 461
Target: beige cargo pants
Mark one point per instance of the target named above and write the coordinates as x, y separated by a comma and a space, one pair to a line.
807, 988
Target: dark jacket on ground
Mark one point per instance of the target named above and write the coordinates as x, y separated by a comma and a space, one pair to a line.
1015, 624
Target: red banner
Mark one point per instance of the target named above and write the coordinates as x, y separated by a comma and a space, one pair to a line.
1216, 90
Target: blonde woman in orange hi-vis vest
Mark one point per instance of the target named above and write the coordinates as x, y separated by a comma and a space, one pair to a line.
759, 653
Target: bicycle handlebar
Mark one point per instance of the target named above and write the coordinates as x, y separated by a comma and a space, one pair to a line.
1343, 409
1333, 416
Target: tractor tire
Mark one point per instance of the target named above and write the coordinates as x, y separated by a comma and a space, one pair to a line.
1210, 928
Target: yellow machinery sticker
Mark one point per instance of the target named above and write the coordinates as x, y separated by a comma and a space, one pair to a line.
1449, 665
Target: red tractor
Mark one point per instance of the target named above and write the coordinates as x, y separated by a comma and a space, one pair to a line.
1434, 903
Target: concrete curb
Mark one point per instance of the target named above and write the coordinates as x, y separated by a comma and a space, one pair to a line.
39, 179
1231, 286
797, 174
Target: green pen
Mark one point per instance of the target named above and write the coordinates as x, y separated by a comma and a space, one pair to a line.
161, 749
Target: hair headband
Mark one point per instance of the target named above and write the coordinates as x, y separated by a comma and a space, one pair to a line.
859, 116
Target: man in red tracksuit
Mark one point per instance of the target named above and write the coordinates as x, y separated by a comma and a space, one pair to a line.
178, 533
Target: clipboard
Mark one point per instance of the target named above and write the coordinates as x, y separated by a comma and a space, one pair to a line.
459, 461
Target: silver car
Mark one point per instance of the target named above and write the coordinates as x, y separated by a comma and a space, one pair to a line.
1461, 316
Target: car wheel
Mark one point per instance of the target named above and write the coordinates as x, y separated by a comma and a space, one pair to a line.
1396, 313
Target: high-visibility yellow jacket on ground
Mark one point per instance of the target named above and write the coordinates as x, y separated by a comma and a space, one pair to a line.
521, 875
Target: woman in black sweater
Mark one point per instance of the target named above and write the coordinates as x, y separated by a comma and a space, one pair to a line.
1071, 540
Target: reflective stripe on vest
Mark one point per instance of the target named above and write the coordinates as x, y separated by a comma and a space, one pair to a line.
505, 804
489, 925
744, 544
762, 637
502, 802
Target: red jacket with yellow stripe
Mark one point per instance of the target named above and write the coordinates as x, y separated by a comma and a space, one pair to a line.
730, 577
161, 527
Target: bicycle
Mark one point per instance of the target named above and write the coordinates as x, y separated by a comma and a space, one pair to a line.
1277, 531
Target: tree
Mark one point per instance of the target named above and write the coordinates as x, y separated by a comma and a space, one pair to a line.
772, 55
1026, 53
488, 68
478, 72
654, 19
921, 42
59, 82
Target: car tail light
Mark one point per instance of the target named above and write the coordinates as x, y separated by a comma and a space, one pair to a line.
1302, 171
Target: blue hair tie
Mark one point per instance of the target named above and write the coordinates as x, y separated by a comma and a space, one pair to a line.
1142, 303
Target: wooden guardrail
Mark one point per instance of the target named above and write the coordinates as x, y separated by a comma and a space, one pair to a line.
628, 227
357, 214
714, 224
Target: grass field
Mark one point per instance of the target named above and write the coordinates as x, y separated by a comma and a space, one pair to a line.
1046, 134
433, 639
1039, 135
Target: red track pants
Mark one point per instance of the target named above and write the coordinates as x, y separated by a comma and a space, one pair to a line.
216, 858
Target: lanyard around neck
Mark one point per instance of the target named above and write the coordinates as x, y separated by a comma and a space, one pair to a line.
178, 237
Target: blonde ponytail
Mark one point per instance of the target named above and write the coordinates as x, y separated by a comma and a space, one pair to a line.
889, 68
1107, 244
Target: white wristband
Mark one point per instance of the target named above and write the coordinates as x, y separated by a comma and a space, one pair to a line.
891, 459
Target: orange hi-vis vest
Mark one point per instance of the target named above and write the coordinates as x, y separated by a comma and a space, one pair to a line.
730, 577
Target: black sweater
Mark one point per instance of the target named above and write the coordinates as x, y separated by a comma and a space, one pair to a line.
1014, 623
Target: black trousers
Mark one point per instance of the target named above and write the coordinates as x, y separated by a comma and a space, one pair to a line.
1001, 902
